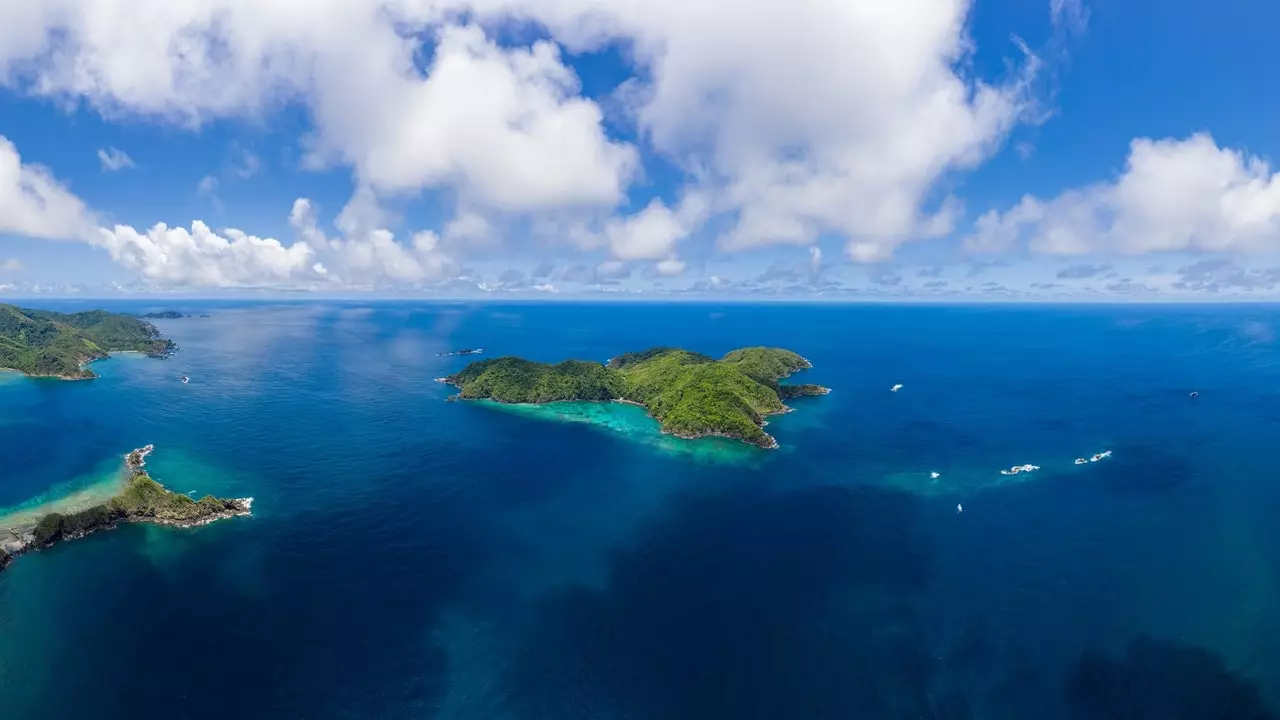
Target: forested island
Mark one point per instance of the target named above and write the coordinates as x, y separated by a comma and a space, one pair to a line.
690, 394
142, 500
50, 344
163, 315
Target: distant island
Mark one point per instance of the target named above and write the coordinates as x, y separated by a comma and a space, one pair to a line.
163, 315
690, 394
41, 343
464, 351
142, 500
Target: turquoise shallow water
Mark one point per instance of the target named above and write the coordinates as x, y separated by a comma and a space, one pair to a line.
411, 557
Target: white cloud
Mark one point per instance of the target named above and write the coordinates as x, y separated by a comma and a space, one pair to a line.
12, 265
670, 267
1174, 195
34, 204
649, 234
365, 254
831, 116
835, 116
248, 165
1069, 15
612, 269
113, 159
368, 253
208, 185
653, 232
203, 258
470, 228
504, 126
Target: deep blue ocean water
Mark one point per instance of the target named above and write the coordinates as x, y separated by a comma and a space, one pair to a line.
414, 558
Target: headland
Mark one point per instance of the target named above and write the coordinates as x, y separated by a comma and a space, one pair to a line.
142, 500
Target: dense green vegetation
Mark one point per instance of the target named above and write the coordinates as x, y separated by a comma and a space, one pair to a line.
39, 342
515, 380
142, 499
690, 394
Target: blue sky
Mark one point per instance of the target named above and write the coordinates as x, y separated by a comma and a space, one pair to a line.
844, 149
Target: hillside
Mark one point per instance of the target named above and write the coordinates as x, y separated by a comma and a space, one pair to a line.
690, 394
44, 343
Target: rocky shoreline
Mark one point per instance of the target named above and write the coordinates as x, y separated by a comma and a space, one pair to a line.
143, 501
766, 442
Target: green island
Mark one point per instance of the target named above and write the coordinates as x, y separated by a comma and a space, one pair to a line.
142, 500
690, 394
41, 343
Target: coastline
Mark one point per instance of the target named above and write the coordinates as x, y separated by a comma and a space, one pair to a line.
772, 444
23, 373
769, 441
18, 541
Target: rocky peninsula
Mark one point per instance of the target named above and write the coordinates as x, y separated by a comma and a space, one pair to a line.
142, 500
691, 395
40, 343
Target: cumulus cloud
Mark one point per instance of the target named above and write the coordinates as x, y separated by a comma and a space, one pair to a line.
470, 228
367, 252
364, 253
113, 159
1174, 195
503, 125
34, 204
200, 257
792, 121
669, 267
828, 116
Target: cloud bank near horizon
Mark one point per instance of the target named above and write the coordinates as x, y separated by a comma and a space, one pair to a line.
834, 120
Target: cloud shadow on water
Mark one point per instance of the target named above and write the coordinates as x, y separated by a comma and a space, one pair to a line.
1161, 680
745, 604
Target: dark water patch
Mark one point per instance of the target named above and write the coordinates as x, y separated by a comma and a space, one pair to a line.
1143, 469
741, 604
1161, 680
322, 627
525, 453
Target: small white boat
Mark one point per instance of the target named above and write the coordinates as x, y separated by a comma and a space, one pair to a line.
1100, 456
959, 508
185, 379
1081, 461
935, 475
896, 388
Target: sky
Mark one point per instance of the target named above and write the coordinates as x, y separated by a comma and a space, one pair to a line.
1010, 150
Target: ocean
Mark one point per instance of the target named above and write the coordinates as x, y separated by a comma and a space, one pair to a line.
409, 557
